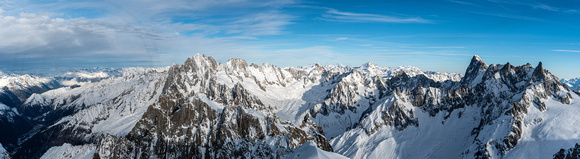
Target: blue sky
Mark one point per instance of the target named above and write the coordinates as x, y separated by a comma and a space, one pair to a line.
434, 35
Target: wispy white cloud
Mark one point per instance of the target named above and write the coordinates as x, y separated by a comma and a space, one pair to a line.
268, 23
549, 8
131, 33
234, 17
445, 47
533, 4
335, 15
41, 39
510, 16
462, 2
544, 7
575, 51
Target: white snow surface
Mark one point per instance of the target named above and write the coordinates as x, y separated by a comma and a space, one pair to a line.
545, 133
68, 151
12, 82
8, 113
112, 106
309, 150
431, 139
371, 69
3, 153
91, 75
3, 107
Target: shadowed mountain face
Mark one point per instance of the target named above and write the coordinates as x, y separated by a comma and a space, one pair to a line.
14, 90
206, 109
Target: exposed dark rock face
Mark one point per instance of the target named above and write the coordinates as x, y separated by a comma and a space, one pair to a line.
178, 128
497, 90
12, 126
391, 113
14, 123
572, 153
341, 97
83, 112
476, 66
182, 124
14, 97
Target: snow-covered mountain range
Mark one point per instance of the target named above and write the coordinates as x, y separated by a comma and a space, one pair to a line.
206, 109
573, 83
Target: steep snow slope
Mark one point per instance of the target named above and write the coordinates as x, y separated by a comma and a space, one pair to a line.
3, 152
114, 105
83, 114
549, 131
68, 151
309, 151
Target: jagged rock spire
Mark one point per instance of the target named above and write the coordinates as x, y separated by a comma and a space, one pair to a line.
538, 74
477, 62
475, 67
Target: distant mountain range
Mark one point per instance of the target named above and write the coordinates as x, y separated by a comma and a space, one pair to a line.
206, 109
573, 83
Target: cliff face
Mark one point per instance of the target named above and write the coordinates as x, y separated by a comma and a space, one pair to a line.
487, 112
196, 117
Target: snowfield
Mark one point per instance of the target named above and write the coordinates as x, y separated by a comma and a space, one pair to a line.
3, 153
309, 151
547, 132
69, 151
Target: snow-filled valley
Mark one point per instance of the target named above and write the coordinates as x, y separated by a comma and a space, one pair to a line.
206, 109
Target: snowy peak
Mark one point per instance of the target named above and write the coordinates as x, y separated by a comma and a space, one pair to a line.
200, 63
476, 58
474, 71
15, 89
477, 64
237, 64
369, 65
